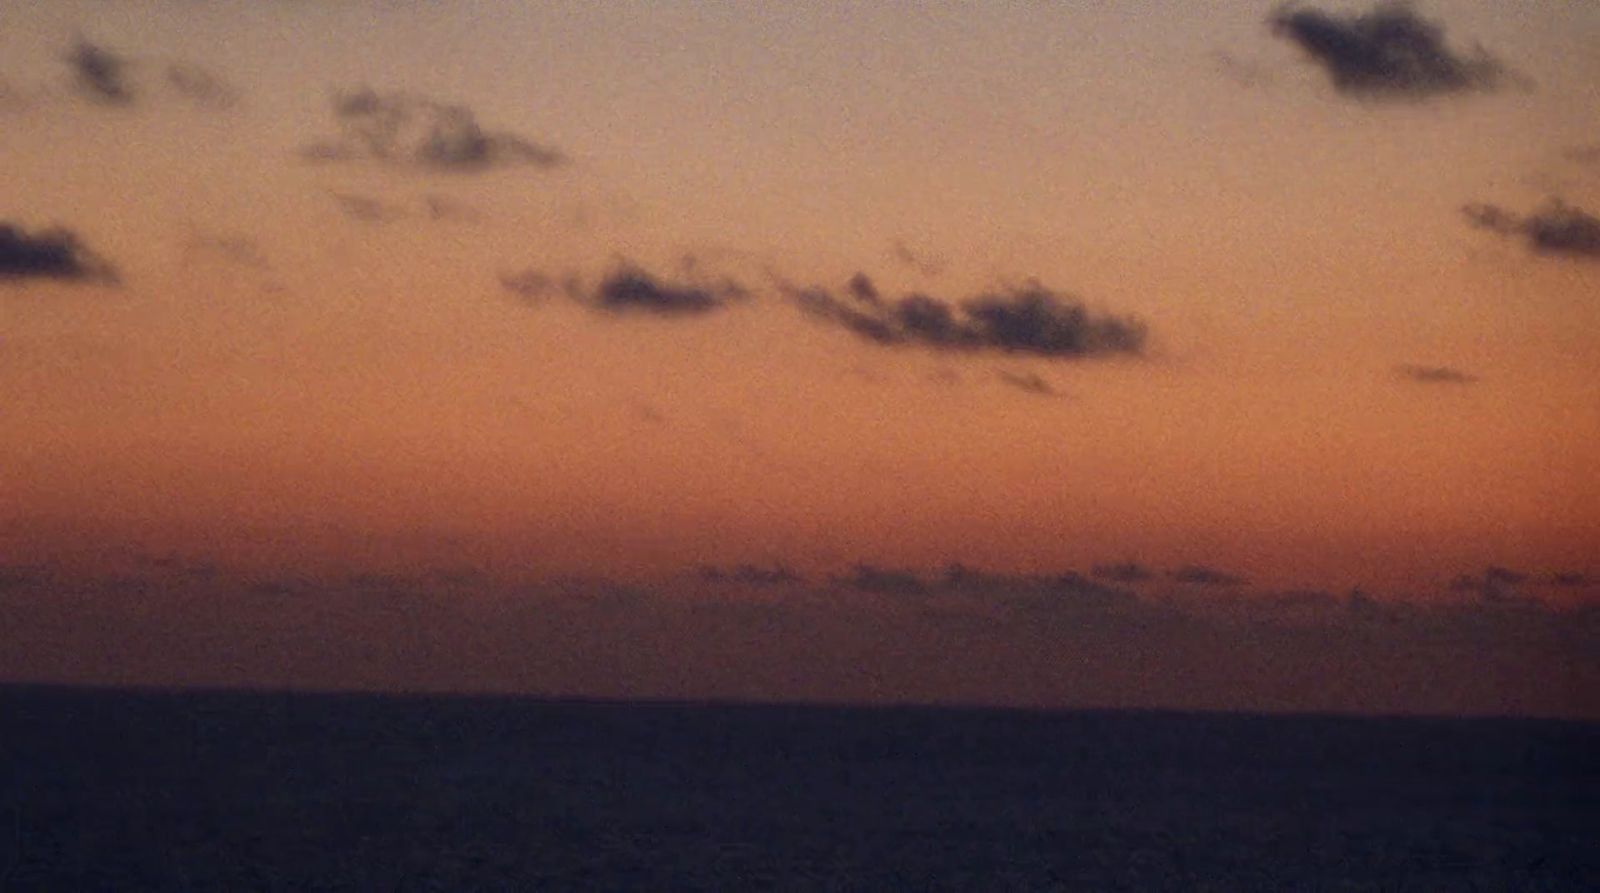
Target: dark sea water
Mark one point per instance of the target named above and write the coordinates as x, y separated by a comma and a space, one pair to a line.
122, 791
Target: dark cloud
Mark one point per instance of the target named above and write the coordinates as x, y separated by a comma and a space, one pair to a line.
1387, 53
1556, 228
100, 74
1571, 579
1434, 374
423, 134
50, 254
630, 289
1200, 575
751, 575
1029, 382
1031, 319
1124, 572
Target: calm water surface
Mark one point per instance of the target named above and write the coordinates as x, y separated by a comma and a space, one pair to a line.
120, 790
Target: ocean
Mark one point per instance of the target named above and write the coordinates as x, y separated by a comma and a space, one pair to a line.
124, 790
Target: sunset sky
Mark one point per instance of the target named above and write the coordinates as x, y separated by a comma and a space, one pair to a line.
1235, 356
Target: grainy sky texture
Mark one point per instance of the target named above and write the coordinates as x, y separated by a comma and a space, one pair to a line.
806, 350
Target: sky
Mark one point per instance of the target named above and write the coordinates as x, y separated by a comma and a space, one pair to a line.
1239, 356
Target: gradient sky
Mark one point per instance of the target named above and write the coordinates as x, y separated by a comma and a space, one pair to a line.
513, 346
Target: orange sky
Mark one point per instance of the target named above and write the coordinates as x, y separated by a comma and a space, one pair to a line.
312, 364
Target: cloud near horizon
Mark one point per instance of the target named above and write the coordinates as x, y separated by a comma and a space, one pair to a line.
423, 134
1030, 319
1388, 53
56, 254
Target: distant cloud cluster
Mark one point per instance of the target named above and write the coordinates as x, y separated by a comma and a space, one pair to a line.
1030, 591
1557, 228
1387, 53
50, 254
422, 134
1434, 374
109, 78
1201, 575
1031, 319
1503, 584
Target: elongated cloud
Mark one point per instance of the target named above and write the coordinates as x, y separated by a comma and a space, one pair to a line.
1028, 382
630, 289
423, 134
1434, 374
1556, 229
1387, 53
51, 254
1031, 319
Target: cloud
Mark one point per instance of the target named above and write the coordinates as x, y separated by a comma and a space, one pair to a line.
923, 264
366, 209
1556, 228
1434, 374
1387, 53
423, 134
630, 289
100, 74
50, 254
1031, 319
109, 78
200, 86
1200, 575
1029, 382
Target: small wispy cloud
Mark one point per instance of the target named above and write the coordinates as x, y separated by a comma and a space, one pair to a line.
1388, 53
1028, 382
1434, 374
1556, 228
109, 78
422, 134
366, 209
